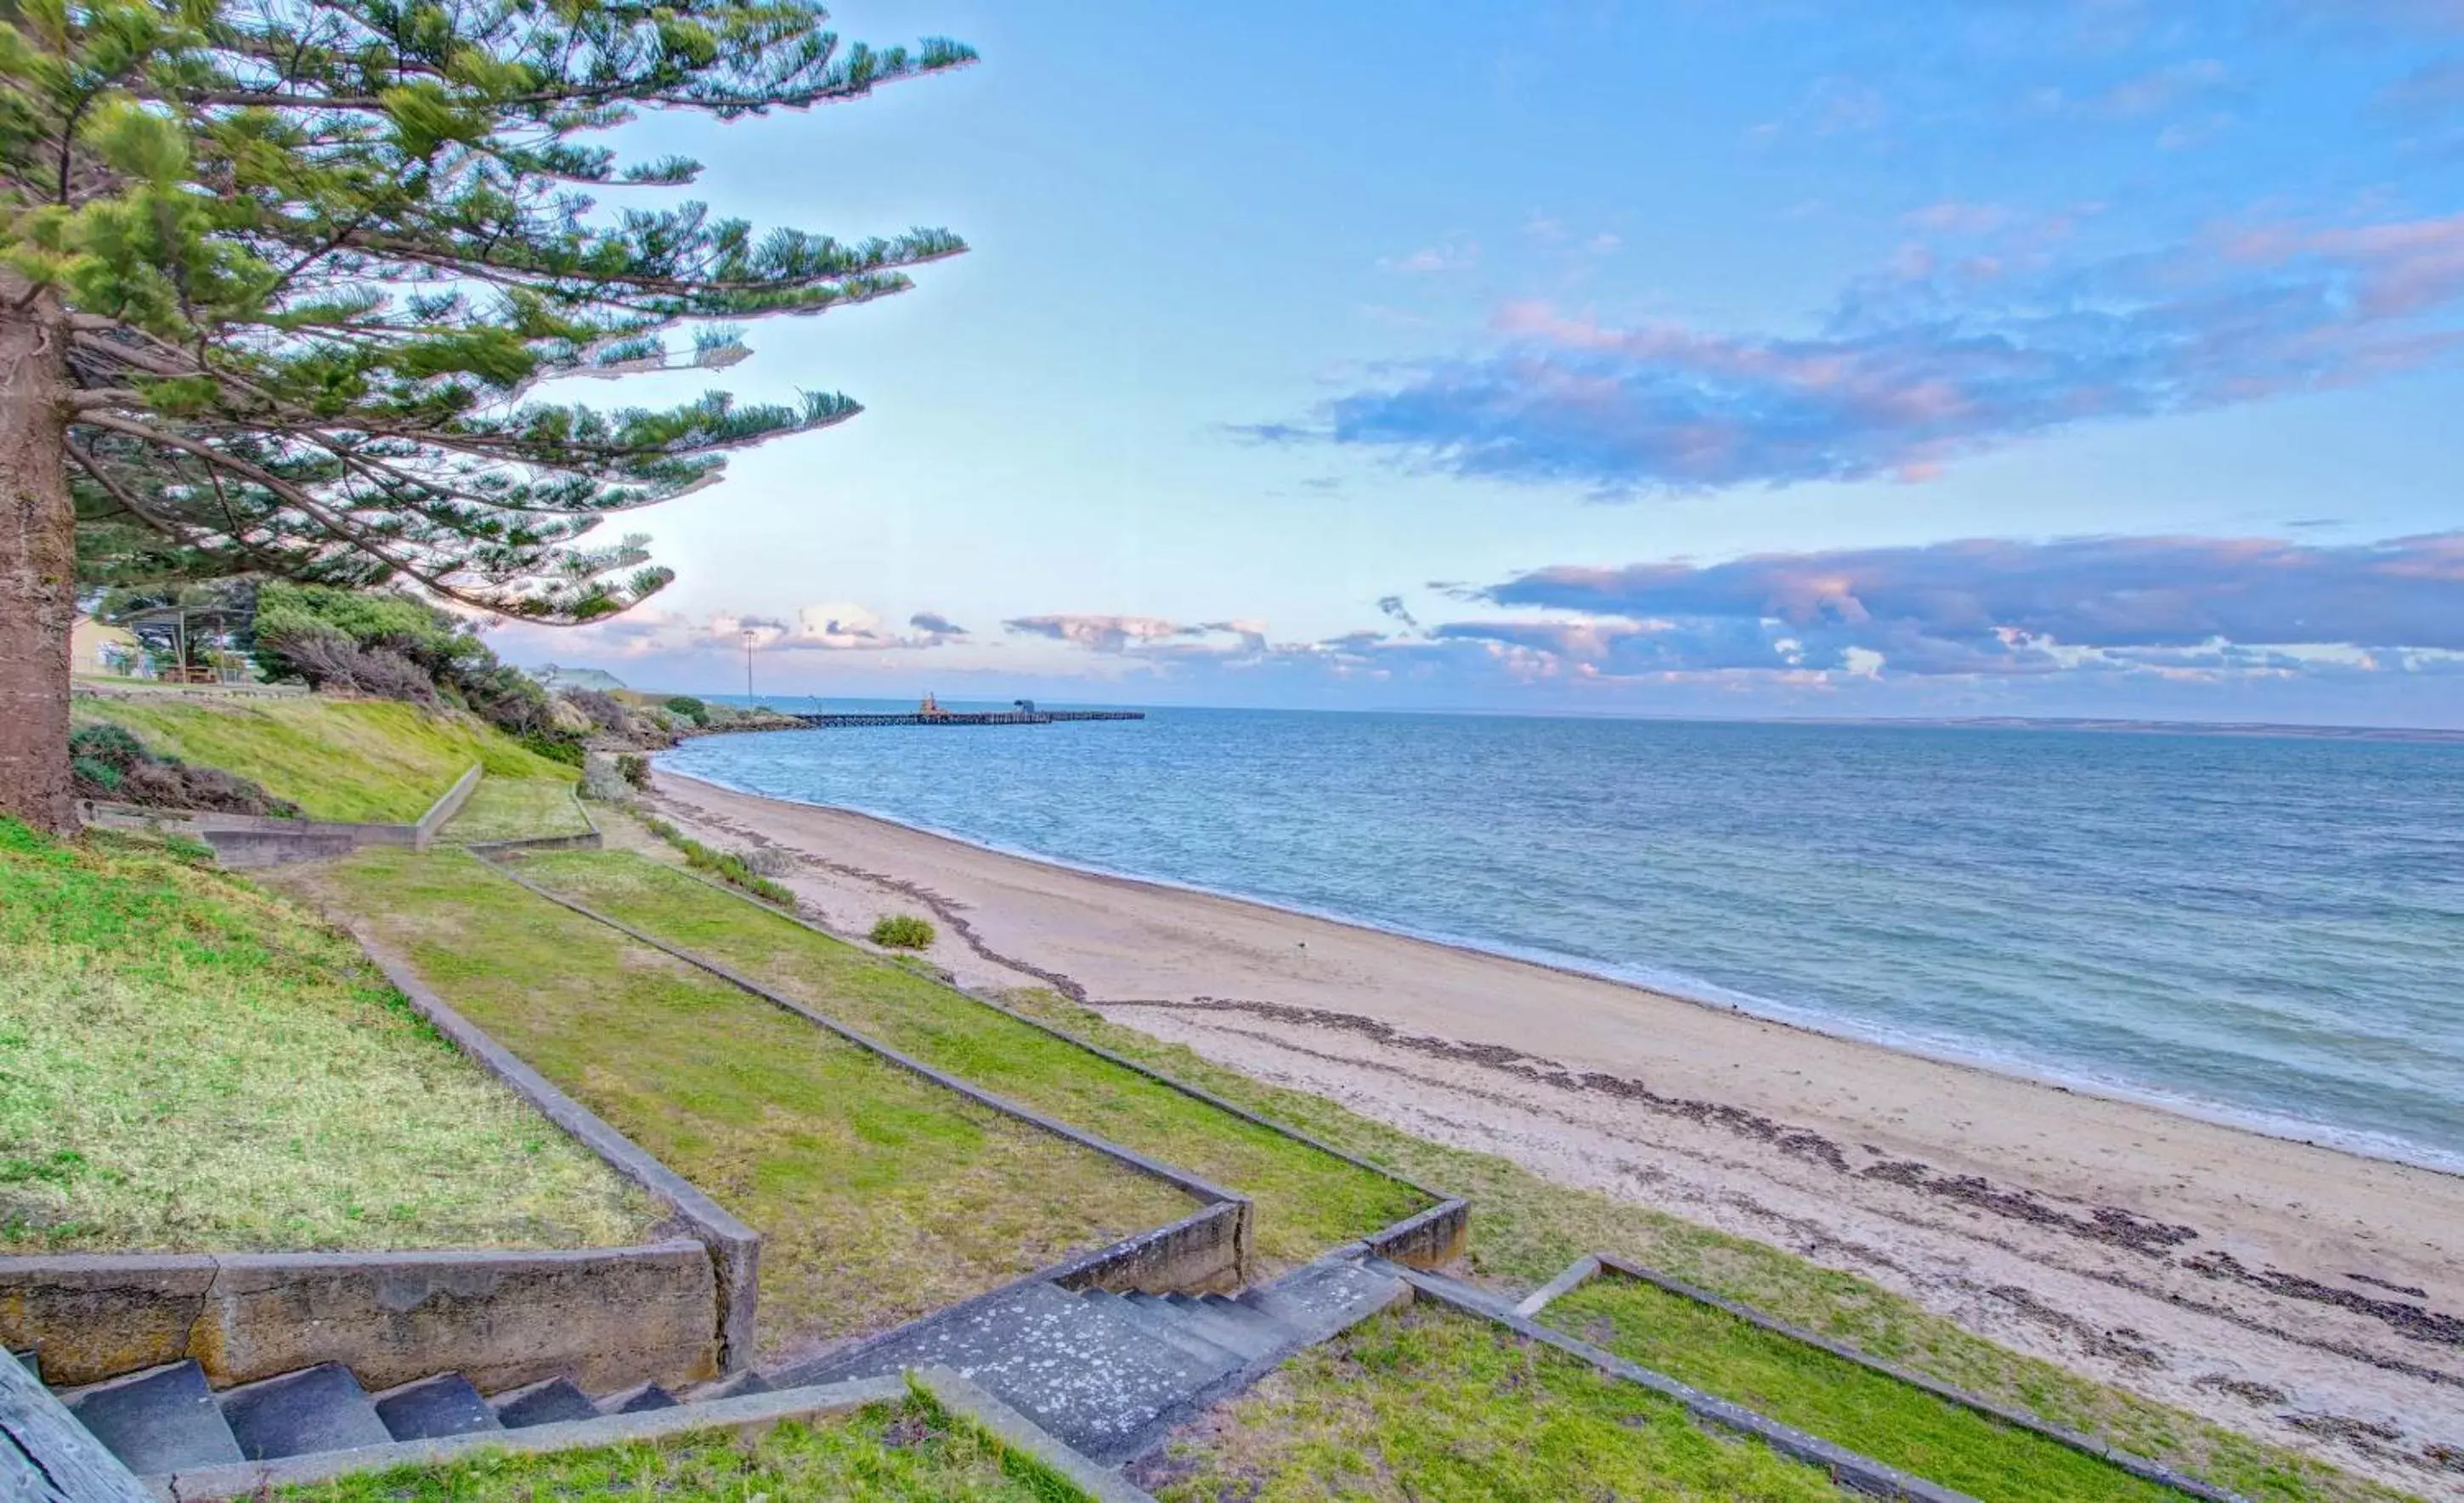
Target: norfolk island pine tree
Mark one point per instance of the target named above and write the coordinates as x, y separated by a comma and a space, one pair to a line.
281, 277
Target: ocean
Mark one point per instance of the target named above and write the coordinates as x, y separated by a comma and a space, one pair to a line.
2266, 930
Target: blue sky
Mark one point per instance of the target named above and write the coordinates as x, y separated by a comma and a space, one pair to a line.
2050, 357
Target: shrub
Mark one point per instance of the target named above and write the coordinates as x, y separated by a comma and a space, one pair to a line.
328, 659
691, 708
108, 762
112, 746
726, 865
634, 768
903, 932
554, 747
602, 708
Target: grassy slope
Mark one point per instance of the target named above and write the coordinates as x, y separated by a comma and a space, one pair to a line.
912, 1452
879, 1196
337, 759
1526, 1228
187, 1063
1837, 1399
515, 808
1423, 1405
1307, 1200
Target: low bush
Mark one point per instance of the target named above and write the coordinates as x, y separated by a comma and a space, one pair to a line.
107, 762
691, 708
634, 768
903, 932
725, 865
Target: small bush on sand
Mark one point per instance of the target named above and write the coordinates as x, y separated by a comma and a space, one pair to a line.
725, 865
903, 932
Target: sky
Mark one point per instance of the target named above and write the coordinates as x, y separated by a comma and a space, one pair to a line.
1740, 359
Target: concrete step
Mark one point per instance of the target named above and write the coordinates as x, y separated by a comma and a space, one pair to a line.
1473, 1294
1318, 1301
548, 1403
1167, 1325
435, 1407
1229, 1325
316, 1408
640, 1399
733, 1387
1092, 1379
161, 1420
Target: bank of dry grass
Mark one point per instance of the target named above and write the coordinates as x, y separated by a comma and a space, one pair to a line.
879, 1196
187, 1063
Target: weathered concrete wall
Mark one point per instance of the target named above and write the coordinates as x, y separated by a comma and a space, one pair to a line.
423, 833
733, 1248
1432, 1239
1196, 1254
242, 841
611, 1316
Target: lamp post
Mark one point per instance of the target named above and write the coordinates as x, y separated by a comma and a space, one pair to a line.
748, 667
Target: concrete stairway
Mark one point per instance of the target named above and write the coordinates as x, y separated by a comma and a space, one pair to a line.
1109, 1374
165, 1418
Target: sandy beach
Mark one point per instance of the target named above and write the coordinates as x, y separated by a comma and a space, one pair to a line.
2287, 1289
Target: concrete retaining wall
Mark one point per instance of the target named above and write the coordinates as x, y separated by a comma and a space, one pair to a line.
1432, 1239
1205, 1253
611, 1316
242, 840
734, 1248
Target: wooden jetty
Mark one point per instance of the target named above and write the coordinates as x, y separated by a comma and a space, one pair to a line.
931, 713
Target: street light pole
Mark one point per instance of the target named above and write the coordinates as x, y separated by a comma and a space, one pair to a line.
748, 667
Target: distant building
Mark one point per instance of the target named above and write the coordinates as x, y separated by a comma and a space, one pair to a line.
554, 677
97, 648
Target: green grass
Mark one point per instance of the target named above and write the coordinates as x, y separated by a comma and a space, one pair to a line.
1423, 1405
1838, 1400
515, 808
1307, 1201
1525, 1230
363, 760
189, 1065
879, 1196
909, 1453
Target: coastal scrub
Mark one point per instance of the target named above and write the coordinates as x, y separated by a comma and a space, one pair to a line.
187, 1063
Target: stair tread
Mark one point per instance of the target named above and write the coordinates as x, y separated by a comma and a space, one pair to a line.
640, 1399
1167, 1324
550, 1403
316, 1408
158, 1421
1087, 1375
435, 1407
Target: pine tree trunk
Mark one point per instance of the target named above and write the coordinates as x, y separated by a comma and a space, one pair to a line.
37, 564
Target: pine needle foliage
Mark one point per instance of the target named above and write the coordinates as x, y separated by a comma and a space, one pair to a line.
308, 264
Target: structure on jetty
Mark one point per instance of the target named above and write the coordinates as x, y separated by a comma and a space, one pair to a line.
931, 713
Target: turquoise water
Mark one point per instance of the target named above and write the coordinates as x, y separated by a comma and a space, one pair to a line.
2269, 929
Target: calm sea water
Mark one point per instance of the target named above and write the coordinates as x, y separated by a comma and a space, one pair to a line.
2267, 929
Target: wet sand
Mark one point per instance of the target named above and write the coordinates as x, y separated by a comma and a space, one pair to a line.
2289, 1291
